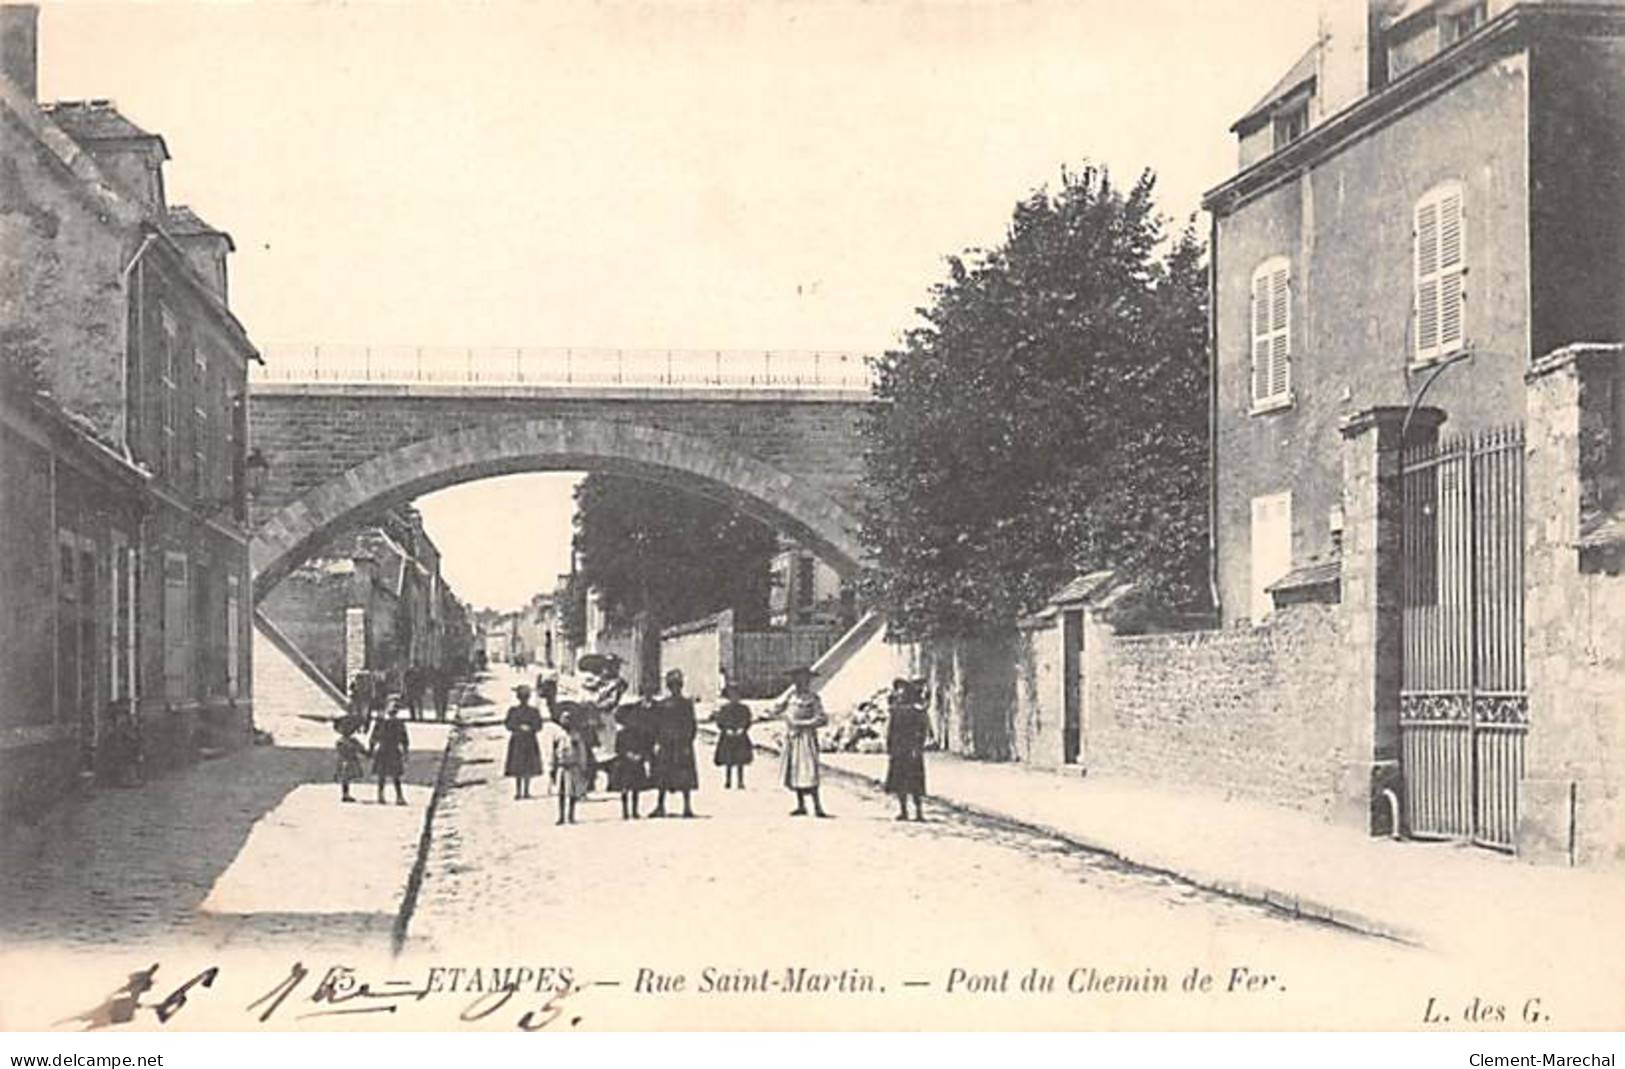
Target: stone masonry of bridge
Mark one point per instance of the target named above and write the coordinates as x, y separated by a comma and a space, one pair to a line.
791, 458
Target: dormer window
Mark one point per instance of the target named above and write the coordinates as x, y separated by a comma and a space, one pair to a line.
1291, 123
1457, 25
1421, 34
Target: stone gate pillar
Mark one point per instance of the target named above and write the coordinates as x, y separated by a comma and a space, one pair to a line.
1371, 604
1574, 602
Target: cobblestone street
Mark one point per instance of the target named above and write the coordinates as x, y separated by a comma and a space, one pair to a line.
743, 888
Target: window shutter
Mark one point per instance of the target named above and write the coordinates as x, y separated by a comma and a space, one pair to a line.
1279, 328
1441, 265
1427, 280
1451, 266
1261, 337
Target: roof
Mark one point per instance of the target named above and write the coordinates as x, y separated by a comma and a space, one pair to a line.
98, 120
1322, 573
1300, 72
1082, 588
182, 222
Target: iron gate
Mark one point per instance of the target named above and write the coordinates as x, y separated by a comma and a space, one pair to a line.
1464, 709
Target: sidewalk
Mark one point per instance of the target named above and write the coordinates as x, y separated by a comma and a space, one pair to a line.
250, 848
1448, 898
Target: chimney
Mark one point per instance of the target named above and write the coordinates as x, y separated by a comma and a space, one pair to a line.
19, 46
1344, 67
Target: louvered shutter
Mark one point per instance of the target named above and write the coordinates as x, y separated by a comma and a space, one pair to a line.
1427, 278
1441, 265
1261, 337
1451, 269
1279, 331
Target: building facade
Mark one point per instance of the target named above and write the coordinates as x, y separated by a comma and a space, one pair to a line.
373, 599
1427, 201
122, 299
1417, 311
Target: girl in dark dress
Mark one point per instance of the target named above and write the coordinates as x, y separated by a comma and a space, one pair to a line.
734, 750
634, 744
907, 732
675, 727
524, 755
388, 746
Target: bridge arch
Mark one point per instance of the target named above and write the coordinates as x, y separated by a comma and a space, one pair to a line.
555, 443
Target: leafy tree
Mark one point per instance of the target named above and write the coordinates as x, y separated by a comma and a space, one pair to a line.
646, 546
1048, 417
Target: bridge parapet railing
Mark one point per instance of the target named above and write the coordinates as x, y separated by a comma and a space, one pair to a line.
674, 368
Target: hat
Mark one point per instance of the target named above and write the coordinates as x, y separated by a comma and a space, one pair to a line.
801, 671
521, 688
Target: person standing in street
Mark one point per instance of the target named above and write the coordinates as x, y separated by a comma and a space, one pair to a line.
907, 733
734, 750
388, 746
675, 728
524, 761
350, 752
440, 683
629, 769
361, 697
568, 770
803, 715
412, 683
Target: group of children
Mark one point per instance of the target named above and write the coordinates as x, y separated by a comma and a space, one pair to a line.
387, 744
653, 747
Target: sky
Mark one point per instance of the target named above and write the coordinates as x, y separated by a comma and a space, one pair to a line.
771, 174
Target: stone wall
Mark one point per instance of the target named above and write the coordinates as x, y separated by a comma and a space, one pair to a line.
700, 650
1573, 805
1040, 711
1242, 710
970, 688
309, 608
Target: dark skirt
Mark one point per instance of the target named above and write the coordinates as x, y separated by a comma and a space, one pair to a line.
388, 761
905, 774
734, 750
674, 770
524, 756
628, 773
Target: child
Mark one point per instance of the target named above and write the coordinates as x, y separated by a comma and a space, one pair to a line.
734, 750
388, 747
567, 767
907, 733
674, 728
524, 755
803, 715
350, 752
629, 771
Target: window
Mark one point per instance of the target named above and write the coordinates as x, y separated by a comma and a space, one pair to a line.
167, 377
177, 614
200, 423
1291, 123
1271, 548
1440, 239
1271, 334
804, 582
1456, 25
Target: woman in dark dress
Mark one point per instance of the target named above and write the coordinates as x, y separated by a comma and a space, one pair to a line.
674, 746
388, 746
634, 744
524, 755
907, 732
734, 750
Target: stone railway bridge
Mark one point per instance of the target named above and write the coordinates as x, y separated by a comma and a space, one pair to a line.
787, 453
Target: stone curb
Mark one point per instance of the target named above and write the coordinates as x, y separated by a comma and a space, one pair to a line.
1242, 889
420, 864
